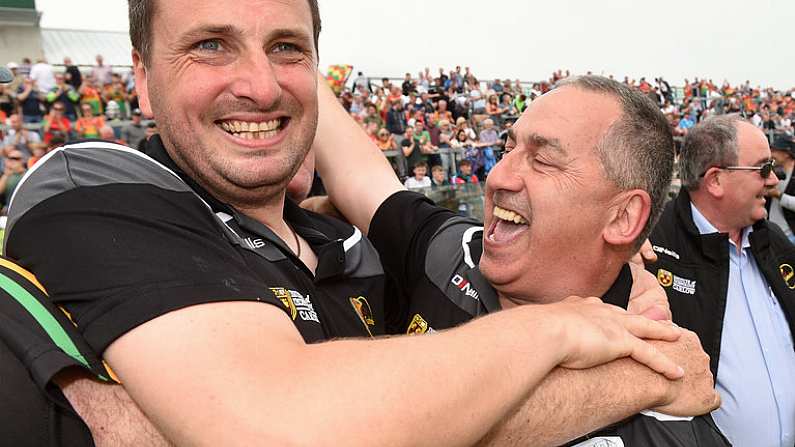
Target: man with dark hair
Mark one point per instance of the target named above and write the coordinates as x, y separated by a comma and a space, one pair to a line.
583, 180
199, 240
729, 275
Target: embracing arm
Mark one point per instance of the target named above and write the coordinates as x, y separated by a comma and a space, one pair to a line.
356, 196
224, 379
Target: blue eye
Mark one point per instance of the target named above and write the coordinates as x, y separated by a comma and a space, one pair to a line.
283, 47
209, 45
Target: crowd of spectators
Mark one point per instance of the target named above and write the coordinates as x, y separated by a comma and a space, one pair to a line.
46, 106
435, 122
448, 124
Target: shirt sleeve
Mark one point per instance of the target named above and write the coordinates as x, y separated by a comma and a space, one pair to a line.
118, 241
401, 231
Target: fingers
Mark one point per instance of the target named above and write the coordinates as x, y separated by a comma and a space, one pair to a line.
646, 253
648, 355
643, 327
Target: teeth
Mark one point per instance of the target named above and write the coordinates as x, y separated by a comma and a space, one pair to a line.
508, 215
251, 130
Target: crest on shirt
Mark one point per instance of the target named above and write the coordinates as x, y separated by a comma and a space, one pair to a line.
287, 300
418, 325
665, 278
363, 310
788, 274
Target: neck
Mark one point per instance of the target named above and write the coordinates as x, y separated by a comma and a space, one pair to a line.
586, 284
711, 211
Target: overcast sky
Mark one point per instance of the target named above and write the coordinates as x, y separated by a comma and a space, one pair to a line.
717, 39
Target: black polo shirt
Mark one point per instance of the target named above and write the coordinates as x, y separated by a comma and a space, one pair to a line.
120, 238
433, 254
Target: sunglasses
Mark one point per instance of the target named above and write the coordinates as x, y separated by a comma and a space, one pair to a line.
764, 170
15, 158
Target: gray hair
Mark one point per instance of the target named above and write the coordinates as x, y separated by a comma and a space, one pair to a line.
713, 142
637, 152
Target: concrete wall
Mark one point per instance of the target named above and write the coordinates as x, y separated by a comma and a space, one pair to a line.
17, 42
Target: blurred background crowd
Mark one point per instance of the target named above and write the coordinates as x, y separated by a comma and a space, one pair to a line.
437, 127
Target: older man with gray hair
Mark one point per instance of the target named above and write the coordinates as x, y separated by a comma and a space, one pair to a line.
729, 276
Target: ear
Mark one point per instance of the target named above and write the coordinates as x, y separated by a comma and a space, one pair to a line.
628, 216
141, 85
711, 183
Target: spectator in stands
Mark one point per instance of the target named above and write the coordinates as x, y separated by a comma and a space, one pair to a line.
408, 85
494, 109
465, 174
372, 115
13, 171
42, 73
133, 132
395, 118
489, 140
108, 134
385, 141
72, 74
410, 148
781, 199
420, 179
90, 95
28, 99
469, 148
362, 82
438, 177
66, 95
151, 130
24, 67
56, 124
38, 151
88, 125
441, 113
19, 138
14, 86
117, 92
8, 103
101, 73
686, 122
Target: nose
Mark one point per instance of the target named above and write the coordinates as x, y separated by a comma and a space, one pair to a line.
254, 78
507, 173
772, 179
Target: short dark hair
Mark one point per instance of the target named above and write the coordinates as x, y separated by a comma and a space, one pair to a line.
713, 142
141, 13
637, 152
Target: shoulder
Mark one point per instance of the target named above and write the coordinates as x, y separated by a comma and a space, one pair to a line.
87, 165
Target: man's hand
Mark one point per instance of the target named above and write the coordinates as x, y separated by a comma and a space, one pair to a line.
694, 394
595, 333
647, 298
774, 193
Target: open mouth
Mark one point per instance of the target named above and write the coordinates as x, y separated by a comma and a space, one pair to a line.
507, 226
253, 130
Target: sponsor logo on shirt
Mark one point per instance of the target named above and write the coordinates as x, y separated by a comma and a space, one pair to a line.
665, 278
284, 296
296, 304
666, 251
419, 326
464, 286
363, 310
788, 274
681, 285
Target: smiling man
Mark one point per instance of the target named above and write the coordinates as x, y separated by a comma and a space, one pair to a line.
729, 277
586, 174
208, 293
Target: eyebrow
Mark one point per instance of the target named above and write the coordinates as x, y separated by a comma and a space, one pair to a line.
540, 141
203, 30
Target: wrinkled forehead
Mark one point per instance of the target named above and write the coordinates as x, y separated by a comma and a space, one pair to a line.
573, 118
175, 18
